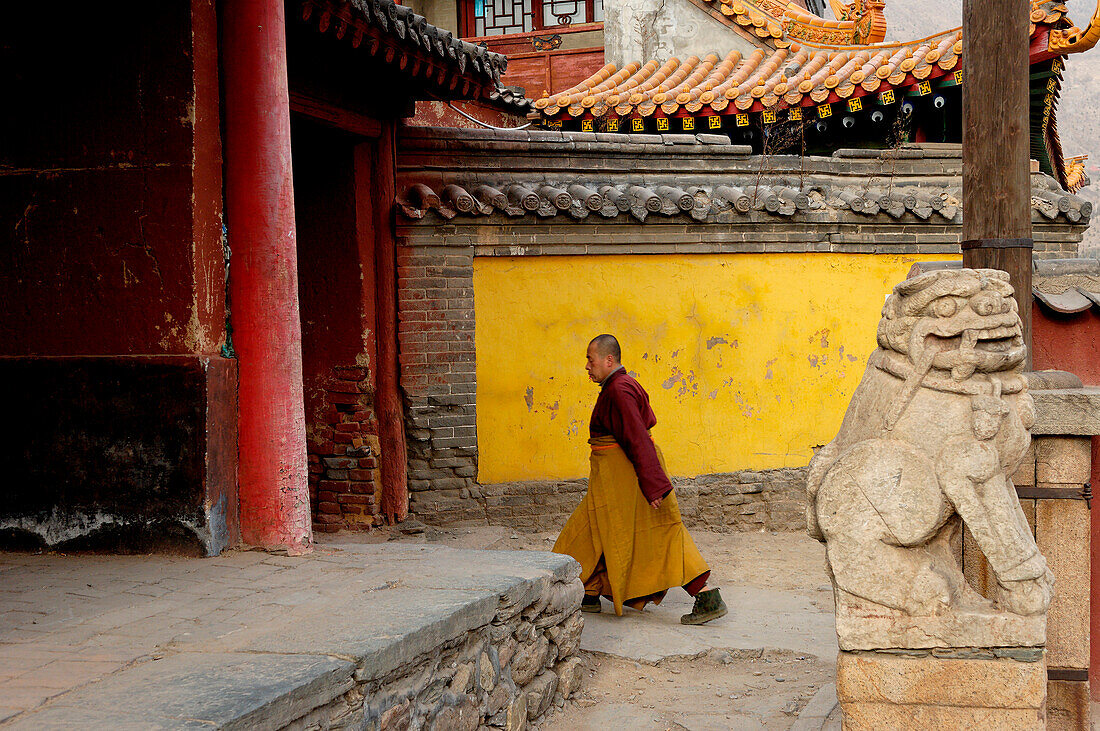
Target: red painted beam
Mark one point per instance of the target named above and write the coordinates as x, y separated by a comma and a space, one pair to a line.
263, 281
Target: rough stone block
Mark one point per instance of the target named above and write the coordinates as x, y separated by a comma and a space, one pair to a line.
1067, 411
880, 716
1067, 705
506, 650
516, 718
1062, 532
569, 676
529, 660
464, 717
463, 679
872, 677
567, 636
397, 718
879, 691
1064, 460
495, 702
486, 673
540, 693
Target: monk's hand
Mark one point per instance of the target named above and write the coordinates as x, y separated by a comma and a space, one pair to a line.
656, 502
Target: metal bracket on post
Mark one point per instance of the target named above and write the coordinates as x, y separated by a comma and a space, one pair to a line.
998, 244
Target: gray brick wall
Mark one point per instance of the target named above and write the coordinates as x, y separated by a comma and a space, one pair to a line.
435, 295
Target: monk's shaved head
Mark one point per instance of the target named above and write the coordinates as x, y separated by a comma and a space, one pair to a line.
607, 345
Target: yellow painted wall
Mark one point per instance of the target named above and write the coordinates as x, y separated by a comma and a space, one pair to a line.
749, 359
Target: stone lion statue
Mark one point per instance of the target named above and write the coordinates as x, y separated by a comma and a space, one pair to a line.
936, 426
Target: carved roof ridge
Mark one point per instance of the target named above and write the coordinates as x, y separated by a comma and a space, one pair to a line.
711, 198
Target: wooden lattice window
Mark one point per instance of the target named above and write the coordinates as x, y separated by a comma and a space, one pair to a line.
500, 17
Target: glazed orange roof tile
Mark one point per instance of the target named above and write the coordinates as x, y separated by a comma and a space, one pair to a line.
799, 75
778, 23
792, 70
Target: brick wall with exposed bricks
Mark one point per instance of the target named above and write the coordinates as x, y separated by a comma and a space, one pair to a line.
344, 479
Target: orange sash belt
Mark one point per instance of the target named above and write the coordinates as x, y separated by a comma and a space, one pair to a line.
600, 447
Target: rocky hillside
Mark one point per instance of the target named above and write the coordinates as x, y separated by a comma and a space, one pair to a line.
1078, 122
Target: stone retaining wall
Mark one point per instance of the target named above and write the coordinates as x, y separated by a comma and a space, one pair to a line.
736, 501
505, 674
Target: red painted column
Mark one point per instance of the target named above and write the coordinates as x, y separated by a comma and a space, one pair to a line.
263, 281
391, 413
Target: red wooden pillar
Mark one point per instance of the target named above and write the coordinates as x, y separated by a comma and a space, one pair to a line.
391, 414
263, 282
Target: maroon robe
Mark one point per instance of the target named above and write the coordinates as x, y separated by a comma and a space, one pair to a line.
622, 412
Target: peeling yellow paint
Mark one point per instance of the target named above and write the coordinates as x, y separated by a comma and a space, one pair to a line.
749, 359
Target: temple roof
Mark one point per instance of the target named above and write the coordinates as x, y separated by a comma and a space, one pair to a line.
793, 73
788, 79
784, 78
426, 55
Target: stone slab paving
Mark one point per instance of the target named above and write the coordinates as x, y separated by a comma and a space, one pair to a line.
758, 618
243, 640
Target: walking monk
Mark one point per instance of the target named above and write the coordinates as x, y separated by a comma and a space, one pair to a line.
627, 533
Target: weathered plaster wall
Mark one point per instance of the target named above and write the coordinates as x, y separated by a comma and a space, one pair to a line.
120, 453
749, 359
640, 30
110, 181
1067, 342
432, 113
112, 278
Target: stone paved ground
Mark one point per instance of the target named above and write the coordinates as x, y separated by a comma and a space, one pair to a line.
759, 667
86, 638
67, 621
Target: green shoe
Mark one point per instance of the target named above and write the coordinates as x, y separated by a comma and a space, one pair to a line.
708, 606
590, 604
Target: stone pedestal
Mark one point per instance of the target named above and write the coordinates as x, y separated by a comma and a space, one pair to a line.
879, 690
863, 625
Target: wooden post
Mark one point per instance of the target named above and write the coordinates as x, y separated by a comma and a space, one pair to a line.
391, 415
263, 278
996, 147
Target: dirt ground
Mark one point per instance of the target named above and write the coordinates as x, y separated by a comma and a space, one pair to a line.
720, 688
717, 690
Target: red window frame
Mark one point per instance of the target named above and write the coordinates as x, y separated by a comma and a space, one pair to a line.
468, 21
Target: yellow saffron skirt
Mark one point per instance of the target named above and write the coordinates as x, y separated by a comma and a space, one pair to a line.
628, 551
